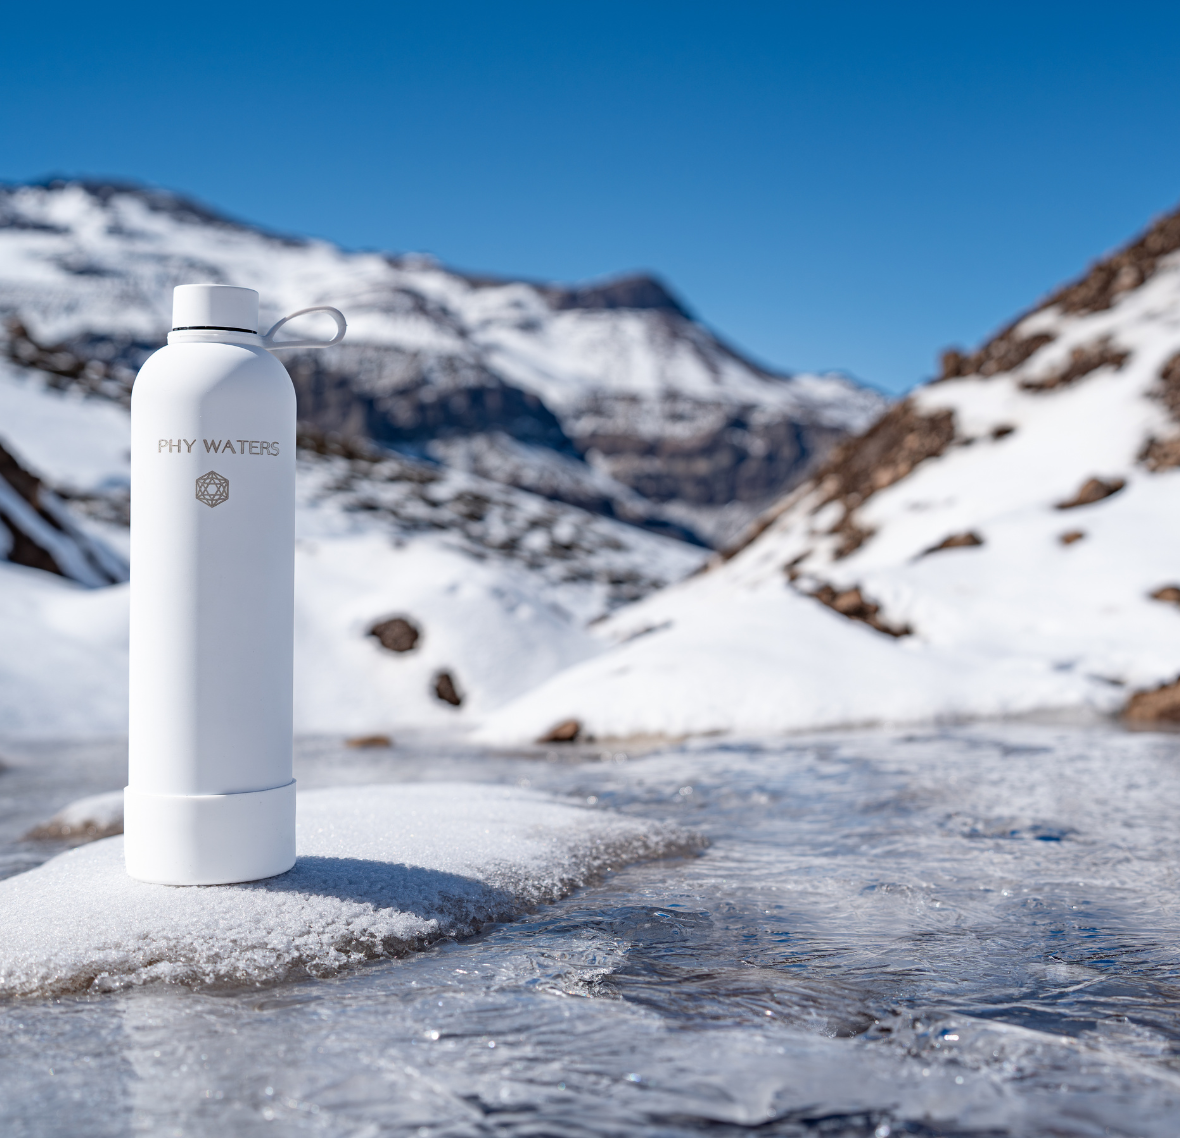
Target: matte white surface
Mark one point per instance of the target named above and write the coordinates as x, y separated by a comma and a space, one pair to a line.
212, 597
209, 839
215, 306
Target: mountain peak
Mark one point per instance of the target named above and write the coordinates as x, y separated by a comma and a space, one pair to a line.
179, 207
633, 290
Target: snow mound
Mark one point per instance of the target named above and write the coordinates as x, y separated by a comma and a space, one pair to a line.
1002, 541
710, 657
382, 871
63, 656
500, 582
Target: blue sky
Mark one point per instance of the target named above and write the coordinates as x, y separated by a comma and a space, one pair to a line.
850, 186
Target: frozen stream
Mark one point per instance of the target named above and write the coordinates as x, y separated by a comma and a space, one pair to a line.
959, 931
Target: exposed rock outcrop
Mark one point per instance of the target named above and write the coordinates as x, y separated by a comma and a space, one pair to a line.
369, 742
853, 604
1082, 361
1109, 278
1097, 289
1002, 353
94, 365
1159, 705
1164, 454
565, 732
955, 541
36, 530
888, 451
1091, 491
397, 635
446, 690
86, 820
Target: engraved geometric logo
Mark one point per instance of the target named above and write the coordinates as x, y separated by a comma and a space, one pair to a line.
212, 489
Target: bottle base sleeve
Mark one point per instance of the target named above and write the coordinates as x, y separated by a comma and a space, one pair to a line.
209, 839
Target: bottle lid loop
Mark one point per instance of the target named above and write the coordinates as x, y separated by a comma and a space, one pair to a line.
268, 341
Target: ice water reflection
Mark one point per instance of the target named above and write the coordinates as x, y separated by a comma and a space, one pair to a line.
969, 931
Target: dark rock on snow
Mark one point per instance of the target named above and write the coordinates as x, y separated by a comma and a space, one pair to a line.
1092, 490
566, 732
445, 689
398, 634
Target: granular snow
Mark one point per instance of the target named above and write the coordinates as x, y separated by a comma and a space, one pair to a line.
382, 871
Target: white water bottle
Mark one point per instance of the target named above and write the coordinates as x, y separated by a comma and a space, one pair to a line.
211, 798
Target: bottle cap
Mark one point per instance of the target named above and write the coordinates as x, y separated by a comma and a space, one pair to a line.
213, 306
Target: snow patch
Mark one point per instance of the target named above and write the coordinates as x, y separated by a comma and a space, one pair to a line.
382, 871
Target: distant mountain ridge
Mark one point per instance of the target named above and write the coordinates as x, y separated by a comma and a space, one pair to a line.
608, 395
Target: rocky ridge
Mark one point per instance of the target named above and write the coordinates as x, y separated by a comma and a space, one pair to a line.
999, 542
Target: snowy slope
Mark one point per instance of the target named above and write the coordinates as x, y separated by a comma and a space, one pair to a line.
500, 583
643, 403
1003, 541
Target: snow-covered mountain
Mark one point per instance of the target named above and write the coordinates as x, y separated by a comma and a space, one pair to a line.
1002, 541
610, 397
491, 587
480, 463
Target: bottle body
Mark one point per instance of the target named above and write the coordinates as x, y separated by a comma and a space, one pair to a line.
210, 796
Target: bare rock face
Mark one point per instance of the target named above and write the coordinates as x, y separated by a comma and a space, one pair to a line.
24, 549
398, 634
1070, 536
367, 742
1098, 289
1004, 352
445, 689
956, 541
1093, 490
105, 368
1169, 594
75, 835
887, 452
853, 604
1164, 454
1121, 272
1168, 391
37, 530
86, 820
1161, 454
487, 519
1159, 705
857, 469
565, 732
1082, 361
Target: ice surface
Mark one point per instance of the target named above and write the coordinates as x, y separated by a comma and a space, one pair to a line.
382, 871
952, 932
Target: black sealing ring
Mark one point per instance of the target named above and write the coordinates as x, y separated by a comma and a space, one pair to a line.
213, 328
